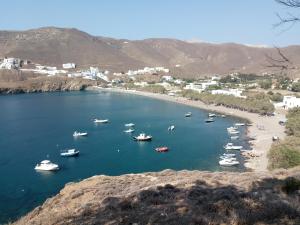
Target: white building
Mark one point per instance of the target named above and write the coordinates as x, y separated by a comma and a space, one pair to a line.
141, 84
10, 63
194, 87
234, 92
167, 78
69, 66
290, 102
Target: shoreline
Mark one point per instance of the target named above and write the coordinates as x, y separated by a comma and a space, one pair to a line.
263, 127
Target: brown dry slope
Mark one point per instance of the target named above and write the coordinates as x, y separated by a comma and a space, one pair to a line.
55, 46
169, 197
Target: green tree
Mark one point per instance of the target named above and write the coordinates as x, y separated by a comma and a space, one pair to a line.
296, 87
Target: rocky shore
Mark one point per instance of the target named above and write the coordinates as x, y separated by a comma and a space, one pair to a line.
169, 197
45, 84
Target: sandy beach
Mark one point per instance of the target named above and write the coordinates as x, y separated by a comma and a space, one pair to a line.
263, 127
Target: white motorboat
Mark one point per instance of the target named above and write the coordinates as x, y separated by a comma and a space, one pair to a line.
227, 157
129, 125
211, 115
231, 128
170, 128
234, 132
223, 116
69, 152
129, 130
234, 137
228, 162
230, 146
239, 124
46, 165
143, 137
229, 154
79, 134
101, 121
209, 120
189, 114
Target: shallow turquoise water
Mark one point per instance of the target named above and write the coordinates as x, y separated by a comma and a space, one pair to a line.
34, 127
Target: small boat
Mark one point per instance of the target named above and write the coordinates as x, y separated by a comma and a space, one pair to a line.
211, 115
46, 165
143, 137
228, 162
189, 114
162, 149
229, 154
170, 128
230, 146
234, 132
209, 120
227, 157
69, 152
234, 137
223, 116
101, 121
129, 130
239, 124
79, 134
231, 128
129, 125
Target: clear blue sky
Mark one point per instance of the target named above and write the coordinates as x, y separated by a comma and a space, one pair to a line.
241, 21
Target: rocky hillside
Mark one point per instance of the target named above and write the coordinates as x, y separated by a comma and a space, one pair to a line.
13, 83
169, 197
54, 46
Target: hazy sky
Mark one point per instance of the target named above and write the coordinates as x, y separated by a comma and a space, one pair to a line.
241, 21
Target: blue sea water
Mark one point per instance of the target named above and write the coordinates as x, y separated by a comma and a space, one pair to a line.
34, 127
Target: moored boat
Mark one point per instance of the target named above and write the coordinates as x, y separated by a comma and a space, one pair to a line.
69, 153
162, 149
230, 146
170, 128
211, 115
143, 137
129, 125
239, 124
209, 120
234, 137
189, 114
79, 134
46, 165
101, 121
228, 162
129, 130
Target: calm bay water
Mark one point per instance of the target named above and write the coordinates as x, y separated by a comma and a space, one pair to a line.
34, 127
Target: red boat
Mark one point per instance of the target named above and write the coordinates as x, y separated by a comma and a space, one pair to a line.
162, 149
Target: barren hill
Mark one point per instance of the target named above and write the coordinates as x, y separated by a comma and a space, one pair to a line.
169, 197
54, 46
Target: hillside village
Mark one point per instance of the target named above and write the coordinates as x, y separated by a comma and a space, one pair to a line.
159, 79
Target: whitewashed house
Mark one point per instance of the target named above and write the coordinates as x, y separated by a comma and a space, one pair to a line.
10, 63
233, 92
194, 87
290, 102
69, 66
167, 78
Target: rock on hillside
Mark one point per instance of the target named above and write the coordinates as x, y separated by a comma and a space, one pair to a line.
169, 197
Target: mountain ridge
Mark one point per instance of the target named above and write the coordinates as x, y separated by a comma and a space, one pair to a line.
54, 46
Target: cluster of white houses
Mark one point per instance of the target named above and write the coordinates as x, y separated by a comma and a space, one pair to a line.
147, 70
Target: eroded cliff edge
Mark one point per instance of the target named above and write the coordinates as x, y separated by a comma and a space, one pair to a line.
170, 197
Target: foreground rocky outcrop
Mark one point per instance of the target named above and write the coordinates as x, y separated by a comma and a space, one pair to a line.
169, 197
13, 83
